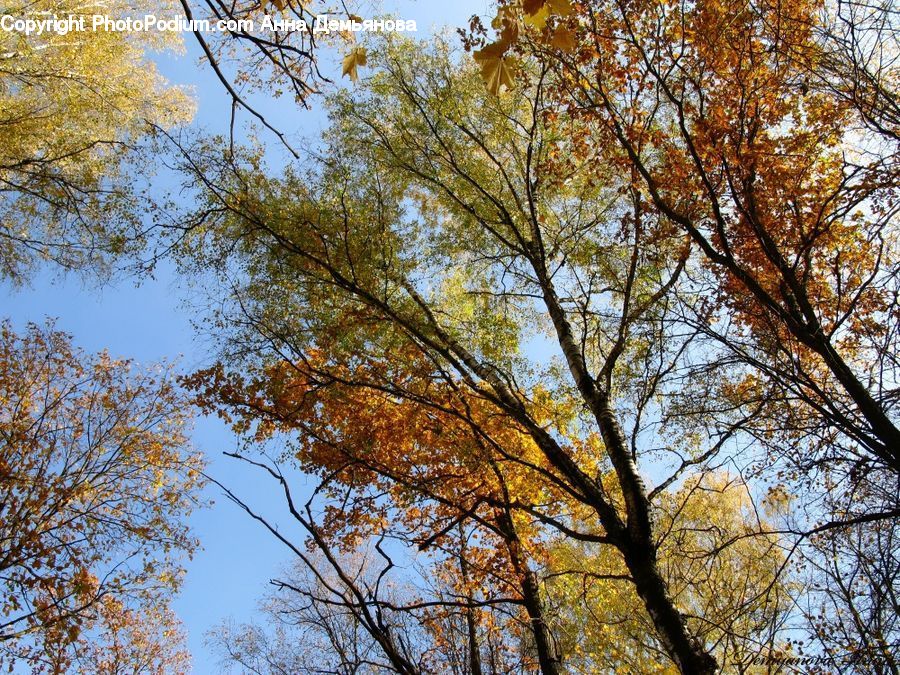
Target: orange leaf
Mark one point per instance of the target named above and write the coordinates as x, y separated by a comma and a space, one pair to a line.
563, 39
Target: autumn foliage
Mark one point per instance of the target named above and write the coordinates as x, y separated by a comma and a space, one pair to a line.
594, 329
96, 480
575, 351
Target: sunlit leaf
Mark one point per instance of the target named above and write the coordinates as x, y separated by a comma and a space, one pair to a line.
495, 67
538, 11
352, 61
539, 18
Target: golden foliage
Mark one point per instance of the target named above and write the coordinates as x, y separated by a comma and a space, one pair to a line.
76, 109
95, 483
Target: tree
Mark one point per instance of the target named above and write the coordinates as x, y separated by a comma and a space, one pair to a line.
80, 112
857, 62
729, 143
731, 580
314, 626
251, 57
766, 133
127, 642
309, 630
95, 482
459, 321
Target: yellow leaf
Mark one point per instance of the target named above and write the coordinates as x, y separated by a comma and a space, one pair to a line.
560, 7
353, 60
538, 11
539, 19
495, 67
495, 50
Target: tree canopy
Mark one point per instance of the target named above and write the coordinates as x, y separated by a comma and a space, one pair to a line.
486, 348
79, 111
583, 324
97, 480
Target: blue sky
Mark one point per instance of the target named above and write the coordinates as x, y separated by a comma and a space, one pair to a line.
149, 321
